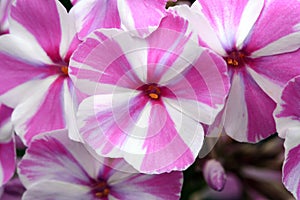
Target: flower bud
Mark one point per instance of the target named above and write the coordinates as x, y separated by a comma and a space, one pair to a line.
214, 174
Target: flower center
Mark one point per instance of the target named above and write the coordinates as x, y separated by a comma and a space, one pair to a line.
153, 91
64, 70
235, 59
101, 189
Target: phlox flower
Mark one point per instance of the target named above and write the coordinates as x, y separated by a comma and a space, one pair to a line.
149, 95
55, 167
254, 38
126, 14
287, 117
7, 146
34, 60
4, 12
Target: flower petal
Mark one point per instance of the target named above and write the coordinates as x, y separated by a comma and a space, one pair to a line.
53, 156
6, 128
248, 118
46, 105
291, 165
140, 186
7, 161
224, 16
94, 14
132, 13
273, 72
287, 113
39, 24
286, 23
46, 190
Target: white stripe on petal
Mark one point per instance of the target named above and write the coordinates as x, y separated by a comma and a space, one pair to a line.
236, 119
249, 17
285, 44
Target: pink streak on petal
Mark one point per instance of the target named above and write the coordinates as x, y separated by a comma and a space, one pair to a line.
162, 186
50, 112
18, 71
279, 68
260, 111
282, 26
7, 160
154, 10
164, 50
291, 170
163, 139
5, 113
111, 67
42, 20
225, 17
49, 159
291, 103
97, 14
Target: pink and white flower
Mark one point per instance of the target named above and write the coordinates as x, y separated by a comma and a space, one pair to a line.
256, 48
4, 12
125, 14
150, 95
7, 146
34, 61
287, 117
55, 167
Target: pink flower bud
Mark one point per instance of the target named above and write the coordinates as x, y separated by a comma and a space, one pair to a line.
214, 174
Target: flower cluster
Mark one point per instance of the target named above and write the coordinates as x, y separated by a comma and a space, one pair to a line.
114, 99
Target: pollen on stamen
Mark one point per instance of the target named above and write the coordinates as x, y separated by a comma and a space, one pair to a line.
153, 92
101, 190
64, 70
235, 59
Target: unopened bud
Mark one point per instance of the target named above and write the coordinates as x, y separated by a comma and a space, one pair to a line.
214, 175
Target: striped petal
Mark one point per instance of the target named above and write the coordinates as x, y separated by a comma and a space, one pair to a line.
287, 113
37, 25
291, 165
7, 160
286, 23
46, 105
6, 128
53, 157
4, 13
248, 110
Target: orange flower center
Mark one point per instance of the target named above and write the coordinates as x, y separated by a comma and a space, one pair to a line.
235, 59
153, 91
101, 189
64, 70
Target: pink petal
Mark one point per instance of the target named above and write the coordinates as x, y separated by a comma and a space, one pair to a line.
291, 165
46, 105
93, 14
138, 186
4, 12
7, 161
274, 68
47, 190
34, 17
287, 113
132, 13
248, 118
225, 18
284, 24
200, 90
52, 156
214, 174
90, 67
6, 128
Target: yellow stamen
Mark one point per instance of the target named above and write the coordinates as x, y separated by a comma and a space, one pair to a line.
65, 70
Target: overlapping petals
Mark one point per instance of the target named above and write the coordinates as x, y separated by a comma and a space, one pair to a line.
56, 168
150, 95
259, 68
125, 14
34, 67
287, 117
